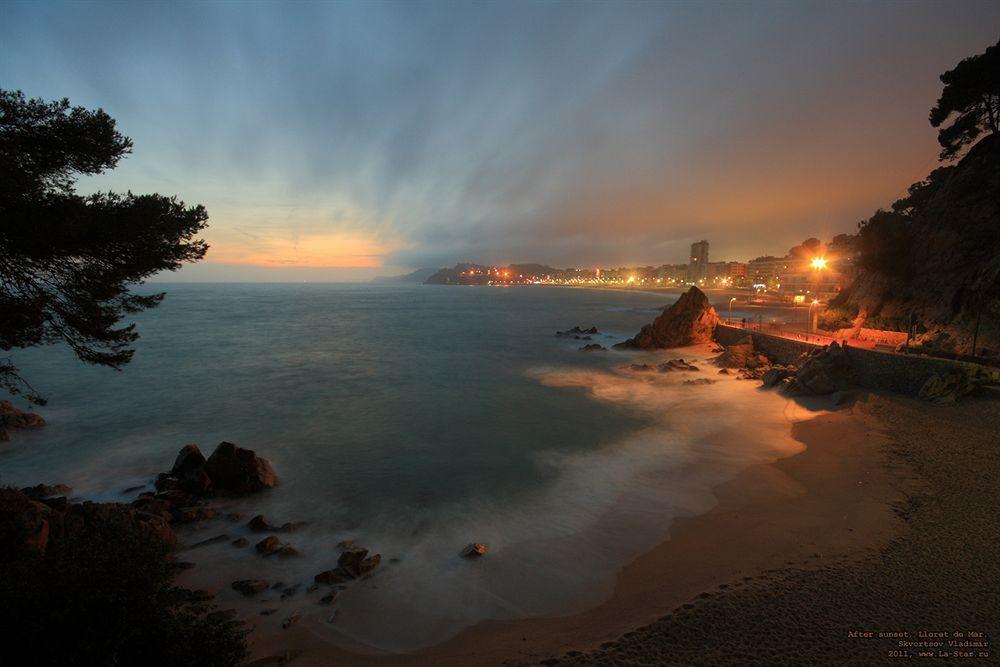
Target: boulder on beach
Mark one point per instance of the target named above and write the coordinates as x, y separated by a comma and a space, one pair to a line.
825, 371
947, 387
776, 374
690, 320
14, 418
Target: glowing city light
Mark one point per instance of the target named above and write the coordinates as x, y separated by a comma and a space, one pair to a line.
818, 263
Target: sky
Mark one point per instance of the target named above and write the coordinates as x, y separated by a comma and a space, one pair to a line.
339, 141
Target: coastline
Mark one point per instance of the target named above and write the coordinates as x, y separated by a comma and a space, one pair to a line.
831, 502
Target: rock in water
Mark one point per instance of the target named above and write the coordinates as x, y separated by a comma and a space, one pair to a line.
688, 321
269, 545
239, 471
475, 550
741, 355
188, 459
11, 418
354, 563
250, 587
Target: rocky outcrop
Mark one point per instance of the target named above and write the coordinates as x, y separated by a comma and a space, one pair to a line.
934, 259
825, 371
230, 470
12, 418
28, 525
690, 320
742, 355
775, 375
676, 365
239, 471
576, 332
593, 347
947, 387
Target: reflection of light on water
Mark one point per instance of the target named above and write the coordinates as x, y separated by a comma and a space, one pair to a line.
556, 548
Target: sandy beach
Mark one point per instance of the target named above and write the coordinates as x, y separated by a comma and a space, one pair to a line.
831, 540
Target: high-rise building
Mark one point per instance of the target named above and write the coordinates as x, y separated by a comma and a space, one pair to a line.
698, 266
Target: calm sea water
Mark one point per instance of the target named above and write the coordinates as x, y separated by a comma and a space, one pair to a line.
412, 419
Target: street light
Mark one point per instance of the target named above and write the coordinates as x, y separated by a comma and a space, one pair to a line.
731, 309
818, 263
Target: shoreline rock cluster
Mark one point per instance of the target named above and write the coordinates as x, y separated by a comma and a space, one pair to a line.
12, 418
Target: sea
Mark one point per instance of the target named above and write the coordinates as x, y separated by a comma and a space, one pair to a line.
410, 420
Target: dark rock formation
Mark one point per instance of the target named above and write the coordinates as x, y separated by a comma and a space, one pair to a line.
239, 471
593, 347
32, 526
676, 365
268, 545
259, 524
13, 418
43, 491
741, 355
229, 470
699, 381
356, 563
475, 550
774, 375
949, 387
250, 587
577, 332
335, 576
642, 368
825, 371
691, 319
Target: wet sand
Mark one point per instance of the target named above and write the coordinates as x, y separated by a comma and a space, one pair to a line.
835, 503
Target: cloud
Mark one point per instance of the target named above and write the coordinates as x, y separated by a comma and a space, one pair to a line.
412, 134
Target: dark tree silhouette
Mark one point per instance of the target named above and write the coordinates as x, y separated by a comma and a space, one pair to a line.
67, 261
972, 94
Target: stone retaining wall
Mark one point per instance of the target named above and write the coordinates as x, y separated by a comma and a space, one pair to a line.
900, 373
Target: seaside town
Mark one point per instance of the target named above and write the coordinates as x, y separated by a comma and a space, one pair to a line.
714, 459
810, 272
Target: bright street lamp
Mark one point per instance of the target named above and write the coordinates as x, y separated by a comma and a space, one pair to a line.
731, 309
818, 263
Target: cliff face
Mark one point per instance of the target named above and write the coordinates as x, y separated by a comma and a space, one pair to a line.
935, 257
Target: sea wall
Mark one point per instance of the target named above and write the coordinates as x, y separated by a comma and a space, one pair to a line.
900, 373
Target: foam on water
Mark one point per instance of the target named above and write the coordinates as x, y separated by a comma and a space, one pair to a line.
556, 548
